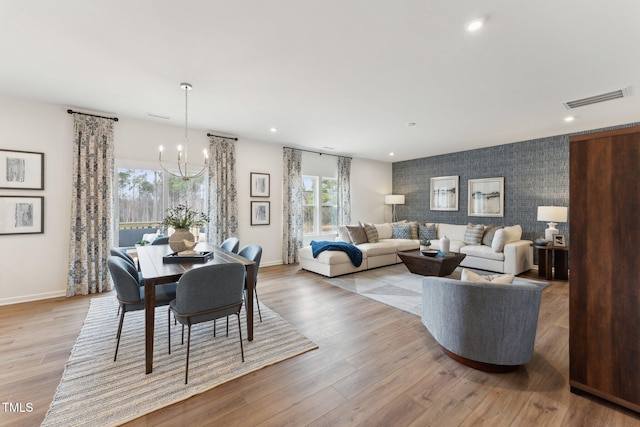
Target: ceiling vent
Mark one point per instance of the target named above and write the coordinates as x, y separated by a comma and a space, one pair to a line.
620, 93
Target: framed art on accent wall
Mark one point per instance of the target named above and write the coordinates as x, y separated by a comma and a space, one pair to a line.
486, 197
444, 193
260, 214
23, 170
260, 183
21, 215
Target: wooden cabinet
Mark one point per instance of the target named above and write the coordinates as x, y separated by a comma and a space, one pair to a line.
604, 295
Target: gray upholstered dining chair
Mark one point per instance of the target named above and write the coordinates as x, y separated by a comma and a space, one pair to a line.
121, 253
231, 244
254, 253
131, 294
207, 293
164, 240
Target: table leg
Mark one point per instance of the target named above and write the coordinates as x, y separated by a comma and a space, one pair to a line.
149, 323
249, 282
561, 265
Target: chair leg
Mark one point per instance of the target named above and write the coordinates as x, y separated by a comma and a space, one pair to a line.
119, 332
182, 342
186, 373
169, 329
227, 325
214, 327
240, 330
255, 291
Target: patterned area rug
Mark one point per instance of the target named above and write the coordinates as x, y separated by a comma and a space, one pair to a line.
393, 285
96, 391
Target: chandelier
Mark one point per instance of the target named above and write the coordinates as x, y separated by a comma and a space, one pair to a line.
183, 152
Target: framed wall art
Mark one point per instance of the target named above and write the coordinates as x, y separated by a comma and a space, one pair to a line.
260, 213
23, 170
260, 183
444, 193
486, 197
21, 215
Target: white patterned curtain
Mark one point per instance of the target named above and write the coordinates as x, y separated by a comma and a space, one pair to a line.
292, 219
344, 190
223, 194
91, 205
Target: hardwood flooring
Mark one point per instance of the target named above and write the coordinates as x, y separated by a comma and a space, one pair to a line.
375, 366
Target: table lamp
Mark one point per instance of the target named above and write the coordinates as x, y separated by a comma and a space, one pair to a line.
394, 199
554, 215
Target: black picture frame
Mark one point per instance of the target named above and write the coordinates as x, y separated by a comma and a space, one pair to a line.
260, 213
21, 215
21, 170
260, 184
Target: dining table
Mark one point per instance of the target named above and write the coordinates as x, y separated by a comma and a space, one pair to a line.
155, 271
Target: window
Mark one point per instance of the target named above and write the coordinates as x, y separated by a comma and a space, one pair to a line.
319, 204
145, 194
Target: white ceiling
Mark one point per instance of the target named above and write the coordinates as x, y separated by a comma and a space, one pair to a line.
347, 74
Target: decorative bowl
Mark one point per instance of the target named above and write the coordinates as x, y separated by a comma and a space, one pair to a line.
430, 252
541, 242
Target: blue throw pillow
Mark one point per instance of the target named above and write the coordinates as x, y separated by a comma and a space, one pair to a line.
427, 233
401, 231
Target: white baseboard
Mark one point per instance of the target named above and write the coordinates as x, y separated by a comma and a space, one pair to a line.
32, 297
270, 263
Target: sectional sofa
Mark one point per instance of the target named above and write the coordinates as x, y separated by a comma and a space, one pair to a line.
498, 249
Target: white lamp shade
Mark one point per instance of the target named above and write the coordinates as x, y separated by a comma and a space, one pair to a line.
552, 213
394, 199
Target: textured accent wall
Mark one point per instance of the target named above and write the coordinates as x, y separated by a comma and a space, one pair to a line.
536, 173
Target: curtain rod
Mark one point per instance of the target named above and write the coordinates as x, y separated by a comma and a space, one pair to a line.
318, 152
225, 137
115, 119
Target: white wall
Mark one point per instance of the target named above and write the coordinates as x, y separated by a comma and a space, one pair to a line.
36, 266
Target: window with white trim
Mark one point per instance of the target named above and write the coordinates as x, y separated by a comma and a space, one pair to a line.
320, 204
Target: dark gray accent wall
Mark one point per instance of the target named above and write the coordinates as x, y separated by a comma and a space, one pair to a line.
536, 173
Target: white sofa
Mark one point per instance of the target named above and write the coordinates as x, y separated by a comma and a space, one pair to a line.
508, 253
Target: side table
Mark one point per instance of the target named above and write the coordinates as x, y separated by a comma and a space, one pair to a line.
553, 262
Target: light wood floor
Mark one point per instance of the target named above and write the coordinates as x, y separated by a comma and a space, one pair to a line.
375, 365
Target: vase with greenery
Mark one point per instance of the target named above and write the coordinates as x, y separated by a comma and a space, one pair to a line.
182, 219
425, 244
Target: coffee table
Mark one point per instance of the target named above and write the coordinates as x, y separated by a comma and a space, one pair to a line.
428, 265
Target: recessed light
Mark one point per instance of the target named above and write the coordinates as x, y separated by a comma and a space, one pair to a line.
569, 119
273, 130
392, 154
411, 124
474, 25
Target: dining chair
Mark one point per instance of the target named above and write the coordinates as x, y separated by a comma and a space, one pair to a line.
164, 240
121, 253
253, 252
231, 244
207, 293
130, 294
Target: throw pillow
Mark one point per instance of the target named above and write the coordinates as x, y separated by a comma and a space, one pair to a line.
357, 234
499, 240
470, 276
384, 231
513, 233
427, 232
414, 230
473, 235
343, 234
489, 232
401, 231
372, 233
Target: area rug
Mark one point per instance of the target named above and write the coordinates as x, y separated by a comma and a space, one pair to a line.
96, 391
393, 285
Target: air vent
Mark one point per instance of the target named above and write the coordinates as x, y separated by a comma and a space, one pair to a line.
621, 93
